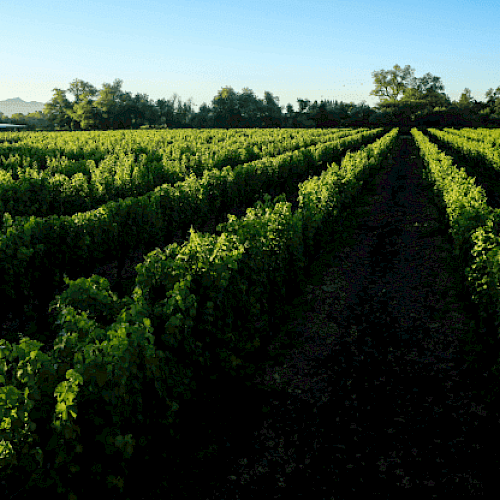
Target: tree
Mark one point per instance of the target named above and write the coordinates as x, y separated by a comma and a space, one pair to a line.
18, 119
136, 111
418, 104
151, 113
271, 110
360, 114
419, 96
341, 112
313, 108
123, 117
84, 112
107, 104
250, 108
302, 118
143, 110
427, 91
57, 110
427, 83
166, 109
436, 99
162, 106
204, 117
493, 96
391, 83
80, 89
184, 112
37, 121
320, 115
225, 106
303, 104
493, 102
465, 100
466, 111
290, 116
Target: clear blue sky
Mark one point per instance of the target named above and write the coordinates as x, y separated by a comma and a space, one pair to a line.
310, 49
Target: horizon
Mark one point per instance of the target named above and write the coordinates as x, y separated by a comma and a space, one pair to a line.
17, 99
316, 50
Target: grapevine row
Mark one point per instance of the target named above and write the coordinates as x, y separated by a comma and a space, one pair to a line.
485, 135
65, 187
481, 150
192, 298
156, 145
475, 229
36, 253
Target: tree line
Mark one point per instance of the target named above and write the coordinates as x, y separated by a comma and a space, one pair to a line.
404, 100
409, 101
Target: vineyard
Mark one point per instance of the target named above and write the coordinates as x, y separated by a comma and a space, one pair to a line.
156, 284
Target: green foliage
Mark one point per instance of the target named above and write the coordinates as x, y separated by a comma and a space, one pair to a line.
120, 225
474, 226
182, 294
389, 84
57, 110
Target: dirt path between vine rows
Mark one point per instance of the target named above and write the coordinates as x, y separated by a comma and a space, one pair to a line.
378, 398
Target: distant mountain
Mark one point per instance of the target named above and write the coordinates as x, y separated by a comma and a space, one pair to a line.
17, 105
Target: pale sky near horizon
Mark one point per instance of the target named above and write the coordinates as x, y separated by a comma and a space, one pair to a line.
313, 49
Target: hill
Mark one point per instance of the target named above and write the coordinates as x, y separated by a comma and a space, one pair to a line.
17, 105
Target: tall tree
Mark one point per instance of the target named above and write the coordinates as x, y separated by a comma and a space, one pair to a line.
18, 118
493, 96
174, 112
204, 117
360, 114
184, 112
250, 108
83, 113
168, 110
107, 104
123, 116
162, 106
302, 118
81, 89
390, 84
303, 104
493, 101
225, 106
428, 82
426, 91
466, 98
144, 111
437, 99
320, 114
272, 112
37, 120
57, 110
290, 116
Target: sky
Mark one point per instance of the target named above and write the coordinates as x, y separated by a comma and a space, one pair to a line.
314, 49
